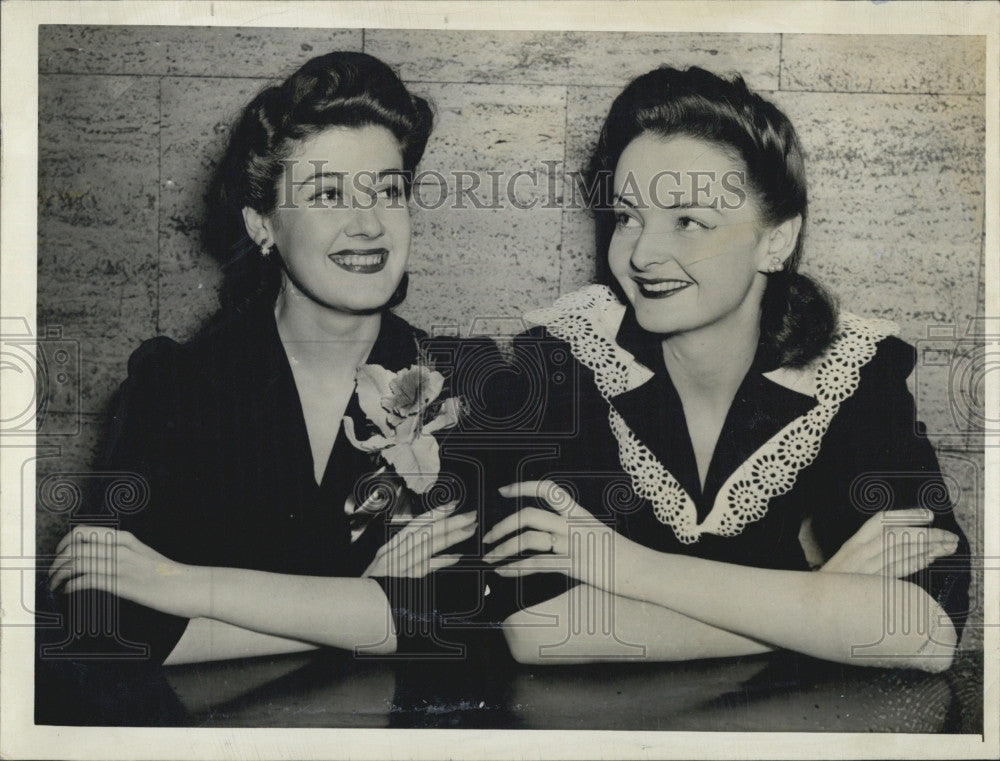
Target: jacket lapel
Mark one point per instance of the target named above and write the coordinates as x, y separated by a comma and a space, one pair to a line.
764, 404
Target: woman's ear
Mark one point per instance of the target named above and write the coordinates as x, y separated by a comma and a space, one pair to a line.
781, 240
258, 227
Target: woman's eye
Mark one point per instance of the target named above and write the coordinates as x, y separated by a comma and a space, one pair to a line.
330, 194
625, 221
686, 224
391, 192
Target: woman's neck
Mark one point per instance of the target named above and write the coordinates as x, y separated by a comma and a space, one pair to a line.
322, 339
711, 362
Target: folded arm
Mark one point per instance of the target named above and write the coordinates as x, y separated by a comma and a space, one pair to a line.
860, 618
257, 612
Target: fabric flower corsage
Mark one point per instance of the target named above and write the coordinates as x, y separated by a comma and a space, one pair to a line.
405, 412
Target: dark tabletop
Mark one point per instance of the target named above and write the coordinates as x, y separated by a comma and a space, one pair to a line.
775, 692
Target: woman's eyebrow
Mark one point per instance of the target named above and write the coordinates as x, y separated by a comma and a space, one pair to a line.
381, 174
320, 175
687, 205
692, 205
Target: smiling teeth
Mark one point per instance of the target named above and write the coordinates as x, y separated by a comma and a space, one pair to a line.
360, 260
670, 285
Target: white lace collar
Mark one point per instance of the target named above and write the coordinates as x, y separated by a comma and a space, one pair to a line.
589, 319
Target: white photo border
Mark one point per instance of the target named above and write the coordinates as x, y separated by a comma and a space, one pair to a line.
20, 738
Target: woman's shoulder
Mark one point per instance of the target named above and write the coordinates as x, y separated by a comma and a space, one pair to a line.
582, 322
223, 346
864, 355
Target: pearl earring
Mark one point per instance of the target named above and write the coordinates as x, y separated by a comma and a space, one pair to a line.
775, 264
265, 248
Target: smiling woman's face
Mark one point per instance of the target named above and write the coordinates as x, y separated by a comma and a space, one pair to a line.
688, 249
342, 224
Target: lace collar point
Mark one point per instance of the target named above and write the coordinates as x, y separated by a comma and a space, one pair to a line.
594, 311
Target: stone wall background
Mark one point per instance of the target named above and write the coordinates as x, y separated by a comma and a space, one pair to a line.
132, 119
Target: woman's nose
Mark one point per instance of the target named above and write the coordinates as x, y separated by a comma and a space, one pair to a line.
651, 248
365, 221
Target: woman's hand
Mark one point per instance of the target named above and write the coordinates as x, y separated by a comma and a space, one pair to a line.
107, 560
567, 538
895, 543
415, 551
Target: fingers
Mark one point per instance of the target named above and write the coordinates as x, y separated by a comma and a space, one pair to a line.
874, 527
416, 524
908, 565
529, 517
898, 551
104, 535
416, 549
909, 540
435, 539
83, 559
906, 553
534, 564
538, 541
100, 582
441, 561
80, 534
548, 492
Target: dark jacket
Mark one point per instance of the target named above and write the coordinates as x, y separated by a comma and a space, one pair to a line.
214, 432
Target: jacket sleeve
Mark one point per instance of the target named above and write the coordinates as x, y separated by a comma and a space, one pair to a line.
876, 457
140, 451
535, 408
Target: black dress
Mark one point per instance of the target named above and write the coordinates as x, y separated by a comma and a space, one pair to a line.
873, 455
214, 432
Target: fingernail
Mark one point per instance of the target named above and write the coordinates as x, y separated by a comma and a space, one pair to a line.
449, 508
505, 490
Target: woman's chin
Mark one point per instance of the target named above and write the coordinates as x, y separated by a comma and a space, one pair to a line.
658, 320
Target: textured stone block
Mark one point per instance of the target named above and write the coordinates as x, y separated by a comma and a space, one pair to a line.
505, 128
88, 49
586, 109
197, 115
883, 63
186, 51
97, 242
581, 58
481, 263
187, 300
500, 260
251, 52
104, 330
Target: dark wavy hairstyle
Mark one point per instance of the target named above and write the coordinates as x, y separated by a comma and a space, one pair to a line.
798, 317
339, 89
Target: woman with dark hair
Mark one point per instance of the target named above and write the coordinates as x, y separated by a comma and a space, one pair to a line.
731, 429
267, 525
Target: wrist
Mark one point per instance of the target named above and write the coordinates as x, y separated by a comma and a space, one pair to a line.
629, 559
195, 583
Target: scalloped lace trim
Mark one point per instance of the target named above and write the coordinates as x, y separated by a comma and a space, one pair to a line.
588, 321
